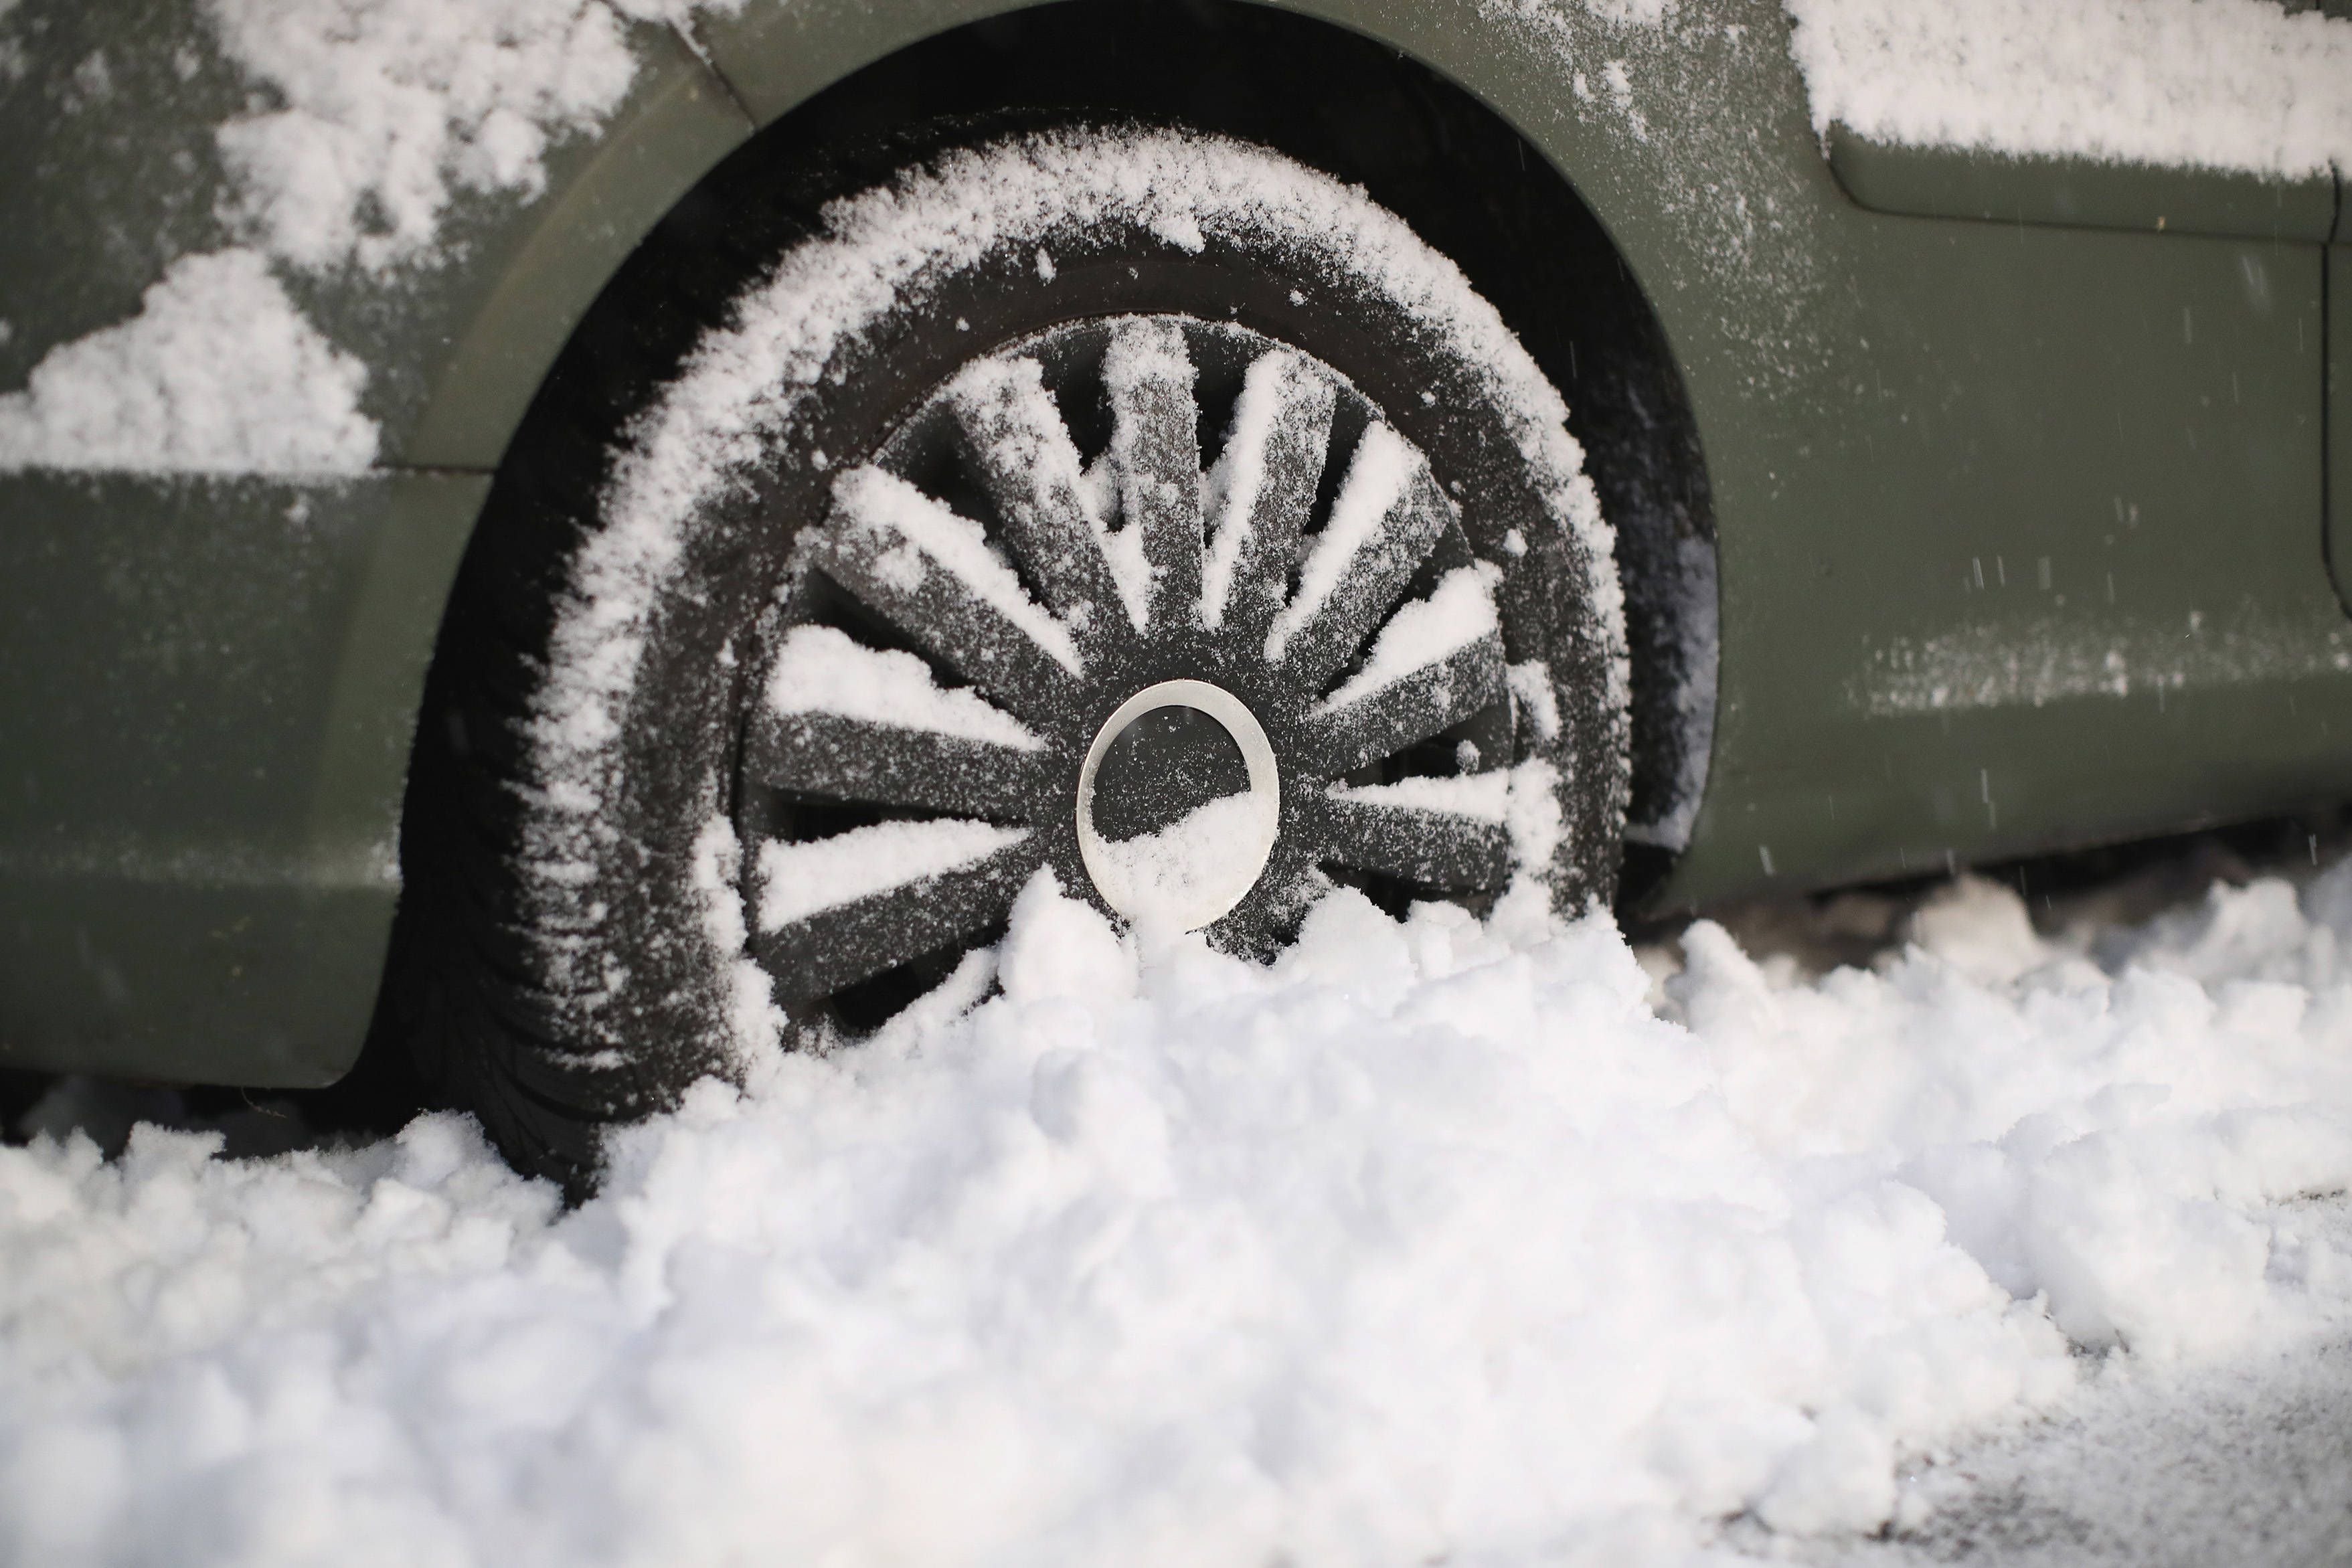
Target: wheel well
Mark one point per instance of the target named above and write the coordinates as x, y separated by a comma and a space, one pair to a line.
1464, 180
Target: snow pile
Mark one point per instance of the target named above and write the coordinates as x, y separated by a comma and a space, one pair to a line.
1430, 1240
219, 373
2223, 84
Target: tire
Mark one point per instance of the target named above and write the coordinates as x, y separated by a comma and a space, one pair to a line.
669, 809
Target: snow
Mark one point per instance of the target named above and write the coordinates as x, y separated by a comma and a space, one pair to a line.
1459, 611
820, 669
1281, 390
2057, 657
798, 880
218, 373
1006, 397
1156, 878
1145, 368
1431, 1239
2224, 84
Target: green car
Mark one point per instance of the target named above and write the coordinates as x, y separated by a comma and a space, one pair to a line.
581, 542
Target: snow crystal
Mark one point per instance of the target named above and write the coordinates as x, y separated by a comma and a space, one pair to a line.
1430, 1240
218, 373
821, 670
798, 880
2223, 84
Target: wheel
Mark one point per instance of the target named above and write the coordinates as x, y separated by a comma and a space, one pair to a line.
1125, 504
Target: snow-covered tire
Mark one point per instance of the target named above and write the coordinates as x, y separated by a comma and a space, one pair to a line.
586, 930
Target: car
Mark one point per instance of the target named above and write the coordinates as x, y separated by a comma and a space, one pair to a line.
579, 543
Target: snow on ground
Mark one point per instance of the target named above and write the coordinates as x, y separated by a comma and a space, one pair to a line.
2222, 84
2247, 1459
1492, 1243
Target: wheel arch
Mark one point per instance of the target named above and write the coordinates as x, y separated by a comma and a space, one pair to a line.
1550, 261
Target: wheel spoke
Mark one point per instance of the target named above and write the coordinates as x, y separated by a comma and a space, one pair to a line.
857, 759
1013, 440
1385, 520
848, 722
1433, 833
1156, 447
1370, 723
1264, 485
941, 880
930, 573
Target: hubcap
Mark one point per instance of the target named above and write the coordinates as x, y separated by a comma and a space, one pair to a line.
1181, 870
1038, 629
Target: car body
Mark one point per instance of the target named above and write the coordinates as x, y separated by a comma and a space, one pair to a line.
2008, 493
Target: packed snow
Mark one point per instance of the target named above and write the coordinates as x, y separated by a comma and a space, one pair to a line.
1496, 1242
2224, 84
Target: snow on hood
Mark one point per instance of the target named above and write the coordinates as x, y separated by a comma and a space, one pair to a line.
1430, 1240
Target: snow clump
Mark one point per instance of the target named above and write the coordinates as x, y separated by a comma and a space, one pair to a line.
219, 373
1434, 1239
383, 109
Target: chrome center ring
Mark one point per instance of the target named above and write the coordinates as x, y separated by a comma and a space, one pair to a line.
1195, 870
